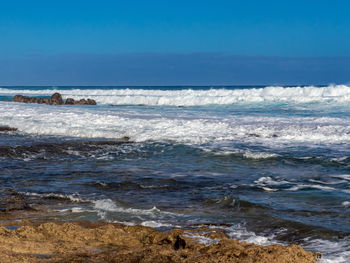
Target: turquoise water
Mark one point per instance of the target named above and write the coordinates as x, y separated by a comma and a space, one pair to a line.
267, 164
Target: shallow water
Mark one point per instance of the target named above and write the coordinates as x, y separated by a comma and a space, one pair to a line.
266, 164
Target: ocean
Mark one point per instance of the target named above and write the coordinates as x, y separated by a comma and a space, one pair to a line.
266, 164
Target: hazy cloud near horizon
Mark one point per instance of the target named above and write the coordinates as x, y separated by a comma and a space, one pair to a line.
172, 69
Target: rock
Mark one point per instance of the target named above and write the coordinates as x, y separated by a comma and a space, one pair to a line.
56, 99
70, 101
91, 102
17, 98
7, 129
85, 102
112, 243
81, 102
32, 100
14, 203
40, 100
47, 101
20, 98
179, 243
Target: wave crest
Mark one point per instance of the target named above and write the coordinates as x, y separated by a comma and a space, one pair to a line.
196, 97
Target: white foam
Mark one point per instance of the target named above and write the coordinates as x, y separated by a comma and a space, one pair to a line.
245, 153
103, 206
107, 205
190, 97
268, 189
346, 203
74, 210
342, 176
265, 183
269, 181
339, 159
332, 251
71, 197
202, 239
328, 182
77, 210
259, 155
314, 186
97, 122
239, 232
156, 224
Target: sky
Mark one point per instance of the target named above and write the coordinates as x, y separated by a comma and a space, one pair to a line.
251, 42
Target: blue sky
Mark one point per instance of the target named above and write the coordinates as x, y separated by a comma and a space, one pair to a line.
217, 42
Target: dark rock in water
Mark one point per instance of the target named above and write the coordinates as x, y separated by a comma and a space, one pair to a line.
70, 101
25, 99
81, 102
91, 102
14, 203
7, 129
85, 102
56, 99
20, 98
59, 148
32, 100
39, 100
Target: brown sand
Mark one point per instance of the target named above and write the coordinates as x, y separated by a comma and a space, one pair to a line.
104, 242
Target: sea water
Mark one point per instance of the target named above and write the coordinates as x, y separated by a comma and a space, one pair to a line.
266, 164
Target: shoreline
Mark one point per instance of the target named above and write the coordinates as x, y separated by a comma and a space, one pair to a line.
29, 234
255, 170
80, 241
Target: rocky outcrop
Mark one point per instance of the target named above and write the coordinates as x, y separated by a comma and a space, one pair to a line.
56, 99
70, 101
104, 242
7, 129
59, 149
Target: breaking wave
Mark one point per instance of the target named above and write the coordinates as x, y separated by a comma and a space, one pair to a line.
193, 97
114, 124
